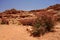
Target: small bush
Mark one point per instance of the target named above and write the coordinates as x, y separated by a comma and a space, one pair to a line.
4, 22
35, 33
37, 29
49, 25
43, 24
37, 23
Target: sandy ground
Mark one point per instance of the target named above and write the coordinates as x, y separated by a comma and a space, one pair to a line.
18, 32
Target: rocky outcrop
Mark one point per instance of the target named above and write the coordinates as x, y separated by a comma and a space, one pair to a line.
29, 17
55, 7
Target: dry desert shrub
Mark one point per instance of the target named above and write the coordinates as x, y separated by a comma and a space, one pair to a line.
43, 24
4, 21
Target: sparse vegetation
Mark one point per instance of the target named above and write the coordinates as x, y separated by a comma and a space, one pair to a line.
43, 24
42, 20
4, 22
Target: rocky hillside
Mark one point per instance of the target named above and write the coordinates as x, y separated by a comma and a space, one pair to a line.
14, 16
34, 23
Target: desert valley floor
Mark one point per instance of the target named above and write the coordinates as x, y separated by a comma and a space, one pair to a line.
18, 32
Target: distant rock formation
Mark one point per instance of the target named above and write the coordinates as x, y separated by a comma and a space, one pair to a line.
55, 7
29, 17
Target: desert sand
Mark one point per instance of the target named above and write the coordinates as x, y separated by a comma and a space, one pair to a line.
18, 32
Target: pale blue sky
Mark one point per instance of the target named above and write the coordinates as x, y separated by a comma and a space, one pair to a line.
26, 4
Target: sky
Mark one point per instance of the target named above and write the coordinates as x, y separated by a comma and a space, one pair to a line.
26, 4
